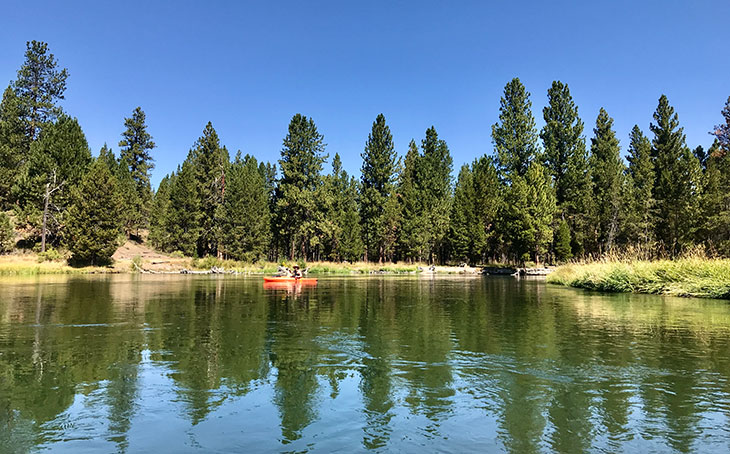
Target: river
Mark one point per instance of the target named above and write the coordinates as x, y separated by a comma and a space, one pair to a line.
373, 364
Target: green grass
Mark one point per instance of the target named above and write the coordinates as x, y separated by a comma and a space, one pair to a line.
699, 277
314, 267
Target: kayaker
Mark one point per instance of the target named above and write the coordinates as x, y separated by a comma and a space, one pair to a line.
297, 273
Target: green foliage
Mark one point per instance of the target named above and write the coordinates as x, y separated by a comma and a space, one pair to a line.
135, 157
182, 222
302, 156
159, 235
14, 144
435, 191
514, 136
58, 160
722, 131
528, 214
412, 235
562, 241
94, 219
7, 233
607, 174
210, 162
245, 211
39, 86
641, 209
567, 162
677, 185
379, 174
49, 255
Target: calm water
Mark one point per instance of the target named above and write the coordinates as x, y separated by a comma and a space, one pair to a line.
209, 364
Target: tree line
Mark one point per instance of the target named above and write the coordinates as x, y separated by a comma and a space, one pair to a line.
545, 195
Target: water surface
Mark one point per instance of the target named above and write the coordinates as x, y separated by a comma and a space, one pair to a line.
385, 364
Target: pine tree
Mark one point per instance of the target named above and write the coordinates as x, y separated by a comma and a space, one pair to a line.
58, 160
246, 217
435, 190
607, 174
642, 206
487, 205
566, 160
7, 233
514, 136
528, 214
184, 213
412, 239
562, 241
716, 201
159, 237
210, 161
351, 247
722, 131
676, 187
40, 85
135, 147
94, 225
14, 145
377, 186
463, 222
301, 162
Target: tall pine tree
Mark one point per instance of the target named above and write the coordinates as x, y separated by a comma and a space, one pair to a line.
94, 225
412, 236
607, 172
377, 186
14, 144
302, 157
135, 148
677, 185
641, 208
39, 86
435, 191
246, 217
184, 211
566, 160
514, 135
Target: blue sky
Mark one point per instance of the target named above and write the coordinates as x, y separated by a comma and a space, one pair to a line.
248, 67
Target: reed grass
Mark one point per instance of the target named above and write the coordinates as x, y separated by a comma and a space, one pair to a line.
689, 276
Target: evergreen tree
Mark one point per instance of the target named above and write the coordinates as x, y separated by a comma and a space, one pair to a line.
183, 220
246, 217
412, 238
434, 186
462, 229
14, 144
474, 211
159, 236
301, 162
135, 147
487, 205
716, 201
351, 247
210, 161
514, 136
562, 242
722, 131
377, 186
677, 185
528, 213
642, 206
58, 160
607, 174
40, 85
7, 233
566, 160
94, 225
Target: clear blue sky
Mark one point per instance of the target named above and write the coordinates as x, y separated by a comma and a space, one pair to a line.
248, 67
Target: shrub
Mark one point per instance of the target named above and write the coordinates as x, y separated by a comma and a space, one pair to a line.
7, 233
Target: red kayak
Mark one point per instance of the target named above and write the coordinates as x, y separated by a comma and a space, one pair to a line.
291, 280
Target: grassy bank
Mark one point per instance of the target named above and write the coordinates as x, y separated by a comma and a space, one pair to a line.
29, 265
314, 267
706, 278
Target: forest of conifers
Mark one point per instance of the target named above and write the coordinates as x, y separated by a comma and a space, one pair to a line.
545, 195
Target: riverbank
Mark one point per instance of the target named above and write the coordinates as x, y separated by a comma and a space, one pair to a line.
698, 277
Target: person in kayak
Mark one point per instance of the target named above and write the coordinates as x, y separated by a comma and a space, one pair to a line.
296, 273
